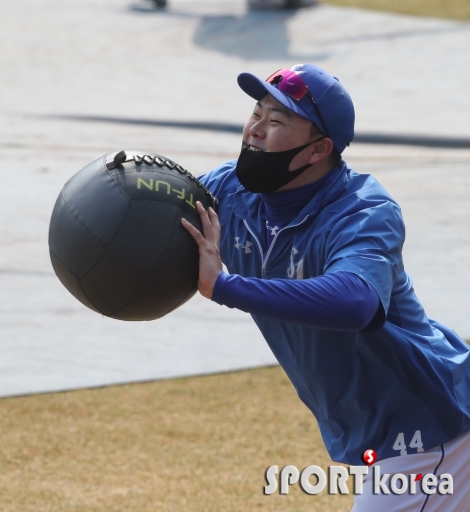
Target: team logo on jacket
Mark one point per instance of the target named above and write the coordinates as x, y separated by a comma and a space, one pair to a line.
246, 246
296, 268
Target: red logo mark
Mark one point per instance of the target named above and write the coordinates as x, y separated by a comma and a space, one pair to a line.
369, 457
419, 477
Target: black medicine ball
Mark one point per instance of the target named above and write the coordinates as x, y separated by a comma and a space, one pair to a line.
116, 240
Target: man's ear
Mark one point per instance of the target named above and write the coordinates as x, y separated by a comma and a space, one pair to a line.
321, 150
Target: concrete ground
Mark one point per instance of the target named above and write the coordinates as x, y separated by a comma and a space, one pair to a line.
81, 78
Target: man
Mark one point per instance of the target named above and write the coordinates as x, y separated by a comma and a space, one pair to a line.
314, 252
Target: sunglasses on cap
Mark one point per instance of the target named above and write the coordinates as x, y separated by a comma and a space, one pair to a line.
291, 84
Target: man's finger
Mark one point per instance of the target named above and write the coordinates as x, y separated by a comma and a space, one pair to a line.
207, 228
194, 232
214, 218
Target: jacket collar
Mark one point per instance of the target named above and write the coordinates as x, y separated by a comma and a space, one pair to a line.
248, 205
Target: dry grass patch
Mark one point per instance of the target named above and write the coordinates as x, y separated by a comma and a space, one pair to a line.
197, 444
453, 9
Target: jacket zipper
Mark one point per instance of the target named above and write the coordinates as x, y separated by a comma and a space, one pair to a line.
265, 259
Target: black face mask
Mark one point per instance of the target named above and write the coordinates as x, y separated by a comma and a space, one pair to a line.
267, 171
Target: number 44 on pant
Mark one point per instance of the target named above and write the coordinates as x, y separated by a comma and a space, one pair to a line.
416, 442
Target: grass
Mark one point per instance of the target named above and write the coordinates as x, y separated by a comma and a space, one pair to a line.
200, 444
451, 9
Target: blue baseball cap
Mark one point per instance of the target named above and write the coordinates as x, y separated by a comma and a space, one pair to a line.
336, 119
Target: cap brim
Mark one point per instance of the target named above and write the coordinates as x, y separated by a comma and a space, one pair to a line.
257, 89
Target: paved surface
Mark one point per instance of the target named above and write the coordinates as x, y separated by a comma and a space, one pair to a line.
112, 58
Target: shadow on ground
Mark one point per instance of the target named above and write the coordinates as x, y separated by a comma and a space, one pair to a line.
254, 35
262, 35
431, 141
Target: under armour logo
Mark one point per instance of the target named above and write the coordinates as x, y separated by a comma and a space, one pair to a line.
247, 245
295, 269
273, 230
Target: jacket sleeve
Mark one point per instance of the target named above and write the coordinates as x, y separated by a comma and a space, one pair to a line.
222, 180
368, 243
338, 302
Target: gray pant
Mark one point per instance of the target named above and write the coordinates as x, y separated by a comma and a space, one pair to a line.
451, 458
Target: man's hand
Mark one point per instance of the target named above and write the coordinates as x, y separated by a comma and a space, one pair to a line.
210, 263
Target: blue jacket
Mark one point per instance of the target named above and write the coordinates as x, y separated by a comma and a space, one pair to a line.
401, 388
